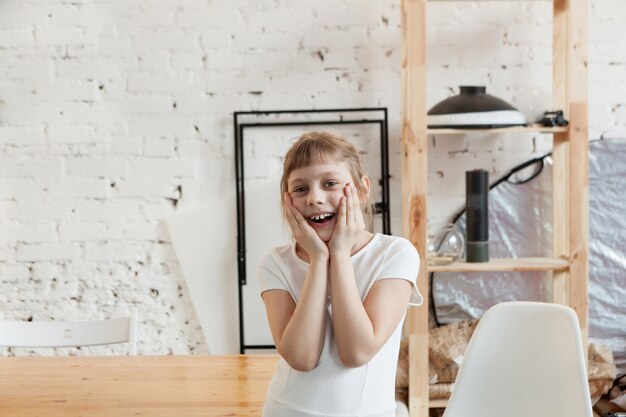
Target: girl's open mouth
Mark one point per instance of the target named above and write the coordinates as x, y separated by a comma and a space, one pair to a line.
320, 220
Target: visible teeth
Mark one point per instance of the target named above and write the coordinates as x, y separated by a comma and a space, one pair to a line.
320, 217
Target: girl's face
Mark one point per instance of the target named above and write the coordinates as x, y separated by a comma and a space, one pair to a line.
316, 191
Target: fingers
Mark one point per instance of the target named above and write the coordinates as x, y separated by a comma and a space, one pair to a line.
354, 203
300, 220
346, 211
355, 207
340, 223
289, 212
296, 220
343, 211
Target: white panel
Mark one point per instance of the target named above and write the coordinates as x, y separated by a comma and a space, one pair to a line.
204, 240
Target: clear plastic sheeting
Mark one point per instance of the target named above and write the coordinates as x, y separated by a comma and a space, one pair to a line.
520, 225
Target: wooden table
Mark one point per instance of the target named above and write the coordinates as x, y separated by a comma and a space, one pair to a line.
112, 386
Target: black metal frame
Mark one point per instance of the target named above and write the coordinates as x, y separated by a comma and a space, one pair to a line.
239, 127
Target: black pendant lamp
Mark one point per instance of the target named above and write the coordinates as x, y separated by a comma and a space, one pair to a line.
473, 108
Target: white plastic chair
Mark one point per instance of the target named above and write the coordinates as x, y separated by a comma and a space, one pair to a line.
69, 334
524, 359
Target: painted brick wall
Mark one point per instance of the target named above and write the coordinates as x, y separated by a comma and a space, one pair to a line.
117, 114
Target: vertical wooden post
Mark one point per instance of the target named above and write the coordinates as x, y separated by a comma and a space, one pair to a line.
577, 87
414, 189
560, 153
571, 184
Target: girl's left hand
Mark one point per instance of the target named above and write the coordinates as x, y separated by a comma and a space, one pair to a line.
349, 225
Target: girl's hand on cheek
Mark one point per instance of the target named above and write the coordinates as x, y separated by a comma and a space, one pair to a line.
303, 233
349, 224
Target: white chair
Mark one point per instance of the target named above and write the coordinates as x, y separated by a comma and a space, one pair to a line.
524, 359
69, 334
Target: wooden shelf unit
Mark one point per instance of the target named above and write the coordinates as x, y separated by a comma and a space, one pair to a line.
569, 262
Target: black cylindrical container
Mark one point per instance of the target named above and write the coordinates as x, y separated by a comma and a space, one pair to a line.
477, 211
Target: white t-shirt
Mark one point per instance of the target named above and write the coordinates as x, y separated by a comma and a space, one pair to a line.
331, 389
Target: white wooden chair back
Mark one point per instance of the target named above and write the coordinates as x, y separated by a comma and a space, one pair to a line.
70, 334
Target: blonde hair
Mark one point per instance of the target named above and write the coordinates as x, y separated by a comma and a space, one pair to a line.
319, 147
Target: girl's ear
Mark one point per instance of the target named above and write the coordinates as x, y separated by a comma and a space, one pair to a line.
365, 181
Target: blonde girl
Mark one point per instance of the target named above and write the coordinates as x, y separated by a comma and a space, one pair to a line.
336, 298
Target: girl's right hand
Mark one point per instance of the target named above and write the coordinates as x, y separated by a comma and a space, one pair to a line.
303, 233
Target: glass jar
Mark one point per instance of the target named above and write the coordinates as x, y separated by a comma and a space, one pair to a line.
445, 243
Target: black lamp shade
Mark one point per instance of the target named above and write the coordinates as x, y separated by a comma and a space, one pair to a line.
474, 108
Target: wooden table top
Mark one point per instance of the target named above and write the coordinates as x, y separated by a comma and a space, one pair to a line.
113, 386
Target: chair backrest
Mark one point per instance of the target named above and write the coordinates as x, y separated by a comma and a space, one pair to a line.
524, 359
67, 334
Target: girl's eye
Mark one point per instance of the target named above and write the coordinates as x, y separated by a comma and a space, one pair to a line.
299, 189
331, 183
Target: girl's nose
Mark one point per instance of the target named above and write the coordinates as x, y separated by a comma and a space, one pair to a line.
315, 197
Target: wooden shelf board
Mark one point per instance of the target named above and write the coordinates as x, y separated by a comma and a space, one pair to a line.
438, 403
515, 129
504, 264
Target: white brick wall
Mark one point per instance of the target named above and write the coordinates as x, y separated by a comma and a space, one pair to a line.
115, 114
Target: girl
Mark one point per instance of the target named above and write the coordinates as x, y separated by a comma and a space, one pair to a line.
337, 297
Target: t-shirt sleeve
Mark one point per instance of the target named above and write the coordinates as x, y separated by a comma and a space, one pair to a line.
403, 261
269, 276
